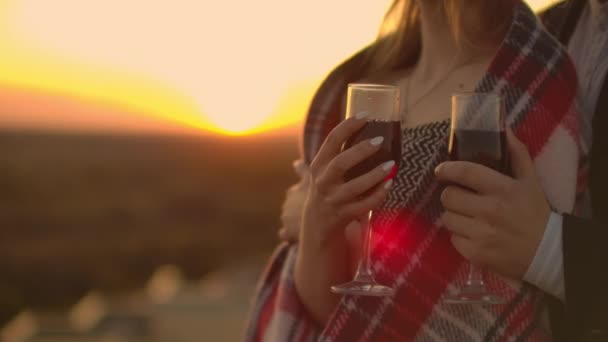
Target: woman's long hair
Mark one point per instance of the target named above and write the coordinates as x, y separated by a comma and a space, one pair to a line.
479, 23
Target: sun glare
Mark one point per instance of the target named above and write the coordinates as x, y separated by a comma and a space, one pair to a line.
233, 68
238, 108
206, 64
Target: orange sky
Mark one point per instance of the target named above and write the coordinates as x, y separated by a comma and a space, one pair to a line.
172, 66
19, 108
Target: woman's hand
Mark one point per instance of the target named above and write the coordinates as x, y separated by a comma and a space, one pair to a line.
332, 204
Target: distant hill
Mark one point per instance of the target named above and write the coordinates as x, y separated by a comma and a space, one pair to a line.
100, 211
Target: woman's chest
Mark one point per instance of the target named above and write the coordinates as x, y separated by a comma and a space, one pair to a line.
422, 148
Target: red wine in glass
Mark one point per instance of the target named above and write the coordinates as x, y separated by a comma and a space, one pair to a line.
485, 147
389, 150
478, 136
379, 104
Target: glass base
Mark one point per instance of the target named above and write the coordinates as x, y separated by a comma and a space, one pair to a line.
363, 288
474, 295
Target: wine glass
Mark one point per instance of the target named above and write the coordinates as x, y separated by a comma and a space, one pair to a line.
381, 104
478, 135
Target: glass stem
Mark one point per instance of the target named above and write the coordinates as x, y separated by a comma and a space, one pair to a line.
364, 271
475, 278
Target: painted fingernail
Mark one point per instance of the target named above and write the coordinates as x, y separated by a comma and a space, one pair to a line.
362, 115
377, 141
388, 165
388, 184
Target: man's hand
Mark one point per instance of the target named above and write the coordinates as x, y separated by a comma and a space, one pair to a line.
293, 206
500, 221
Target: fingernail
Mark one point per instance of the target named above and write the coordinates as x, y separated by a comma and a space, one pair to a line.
438, 168
388, 165
377, 141
361, 115
388, 184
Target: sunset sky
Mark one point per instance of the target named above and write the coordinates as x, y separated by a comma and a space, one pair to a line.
171, 66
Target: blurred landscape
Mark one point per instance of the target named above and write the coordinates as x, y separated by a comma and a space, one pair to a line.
103, 212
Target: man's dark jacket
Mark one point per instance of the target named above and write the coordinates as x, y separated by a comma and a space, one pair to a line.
584, 315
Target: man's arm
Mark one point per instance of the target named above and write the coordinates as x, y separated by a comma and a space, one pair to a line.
546, 270
585, 248
507, 223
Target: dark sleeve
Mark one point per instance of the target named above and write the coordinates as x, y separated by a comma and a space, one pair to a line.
553, 16
584, 316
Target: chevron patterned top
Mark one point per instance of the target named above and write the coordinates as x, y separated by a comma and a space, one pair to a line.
422, 148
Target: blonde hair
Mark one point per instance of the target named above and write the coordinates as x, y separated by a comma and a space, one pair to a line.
399, 40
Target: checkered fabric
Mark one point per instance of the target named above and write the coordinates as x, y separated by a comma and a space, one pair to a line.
410, 251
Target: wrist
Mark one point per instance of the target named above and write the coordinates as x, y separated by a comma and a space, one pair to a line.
534, 242
546, 270
313, 278
319, 232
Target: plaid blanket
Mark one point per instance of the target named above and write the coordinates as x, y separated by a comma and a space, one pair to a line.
411, 252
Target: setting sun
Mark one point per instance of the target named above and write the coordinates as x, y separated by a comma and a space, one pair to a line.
234, 68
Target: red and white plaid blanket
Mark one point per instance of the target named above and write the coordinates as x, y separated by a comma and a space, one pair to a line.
411, 252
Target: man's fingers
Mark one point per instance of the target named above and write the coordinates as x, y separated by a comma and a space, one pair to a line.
460, 225
288, 235
333, 143
300, 167
474, 176
521, 162
283, 234
462, 201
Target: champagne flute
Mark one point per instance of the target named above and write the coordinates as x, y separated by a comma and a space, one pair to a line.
381, 104
478, 135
